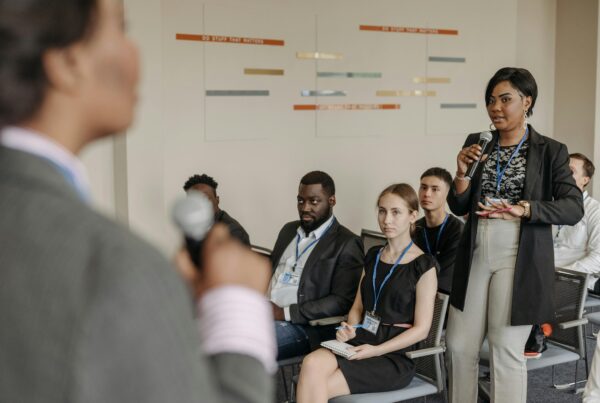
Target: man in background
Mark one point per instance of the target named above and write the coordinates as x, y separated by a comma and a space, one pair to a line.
317, 264
207, 185
438, 233
577, 247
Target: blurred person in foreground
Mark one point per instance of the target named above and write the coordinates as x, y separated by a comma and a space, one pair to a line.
90, 312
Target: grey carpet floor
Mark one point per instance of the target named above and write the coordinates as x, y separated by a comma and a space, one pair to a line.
539, 383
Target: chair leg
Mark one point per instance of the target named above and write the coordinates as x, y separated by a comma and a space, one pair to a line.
568, 385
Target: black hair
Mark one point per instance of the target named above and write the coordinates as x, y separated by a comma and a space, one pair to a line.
588, 165
319, 178
203, 179
439, 173
520, 79
29, 28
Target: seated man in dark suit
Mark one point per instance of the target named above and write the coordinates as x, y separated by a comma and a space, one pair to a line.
438, 233
207, 185
317, 265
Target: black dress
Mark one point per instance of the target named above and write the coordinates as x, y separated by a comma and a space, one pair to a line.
396, 305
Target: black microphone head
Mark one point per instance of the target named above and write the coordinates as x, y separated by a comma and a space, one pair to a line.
193, 215
485, 136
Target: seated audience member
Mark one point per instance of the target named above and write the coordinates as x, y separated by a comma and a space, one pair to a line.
438, 233
577, 247
392, 311
207, 185
592, 388
316, 269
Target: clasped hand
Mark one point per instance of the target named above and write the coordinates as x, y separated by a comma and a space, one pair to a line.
500, 209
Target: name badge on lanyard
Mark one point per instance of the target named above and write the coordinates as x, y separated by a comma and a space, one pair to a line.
371, 320
289, 278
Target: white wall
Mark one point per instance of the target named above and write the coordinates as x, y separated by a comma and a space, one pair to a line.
258, 178
575, 80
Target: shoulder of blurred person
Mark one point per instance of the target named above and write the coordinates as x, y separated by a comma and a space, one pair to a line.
90, 312
102, 300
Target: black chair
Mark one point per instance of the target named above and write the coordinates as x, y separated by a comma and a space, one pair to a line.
567, 342
371, 238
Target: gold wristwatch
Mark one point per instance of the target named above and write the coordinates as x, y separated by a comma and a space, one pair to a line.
526, 208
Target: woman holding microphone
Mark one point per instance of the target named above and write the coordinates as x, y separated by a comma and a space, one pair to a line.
504, 270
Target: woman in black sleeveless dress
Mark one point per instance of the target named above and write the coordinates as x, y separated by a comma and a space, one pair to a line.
394, 306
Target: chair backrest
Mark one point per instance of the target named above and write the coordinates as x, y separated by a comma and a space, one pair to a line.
371, 238
261, 250
570, 291
430, 367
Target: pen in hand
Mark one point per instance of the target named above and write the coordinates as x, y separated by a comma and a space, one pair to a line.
349, 326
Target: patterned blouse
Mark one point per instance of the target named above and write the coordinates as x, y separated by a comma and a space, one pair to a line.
511, 186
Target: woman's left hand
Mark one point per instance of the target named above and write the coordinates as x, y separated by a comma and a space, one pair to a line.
365, 351
500, 209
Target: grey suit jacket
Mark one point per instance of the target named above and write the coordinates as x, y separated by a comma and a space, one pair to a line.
91, 313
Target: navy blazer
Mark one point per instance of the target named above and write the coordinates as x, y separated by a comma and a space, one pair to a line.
554, 198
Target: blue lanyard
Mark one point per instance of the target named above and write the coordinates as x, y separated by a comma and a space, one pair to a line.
378, 293
437, 240
500, 174
310, 245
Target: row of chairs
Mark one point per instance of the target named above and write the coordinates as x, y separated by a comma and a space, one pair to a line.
566, 344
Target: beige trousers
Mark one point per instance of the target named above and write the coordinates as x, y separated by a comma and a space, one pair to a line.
592, 388
487, 313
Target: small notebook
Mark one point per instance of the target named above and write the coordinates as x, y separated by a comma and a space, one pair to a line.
338, 348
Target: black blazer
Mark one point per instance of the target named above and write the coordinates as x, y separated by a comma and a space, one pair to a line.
330, 276
554, 198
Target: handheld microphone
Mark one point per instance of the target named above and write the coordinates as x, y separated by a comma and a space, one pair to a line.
484, 140
194, 216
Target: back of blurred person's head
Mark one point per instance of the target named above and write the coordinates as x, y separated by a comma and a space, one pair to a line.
66, 68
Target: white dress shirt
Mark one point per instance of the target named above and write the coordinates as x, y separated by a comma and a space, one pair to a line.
283, 289
577, 247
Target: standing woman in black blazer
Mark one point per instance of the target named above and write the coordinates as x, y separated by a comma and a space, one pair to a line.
504, 270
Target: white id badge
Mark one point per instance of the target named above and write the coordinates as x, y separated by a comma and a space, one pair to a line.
288, 278
371, 322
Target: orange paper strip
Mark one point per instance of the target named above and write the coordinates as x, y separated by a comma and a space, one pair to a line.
409, 30
229, 39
